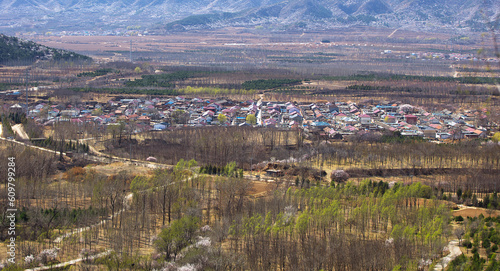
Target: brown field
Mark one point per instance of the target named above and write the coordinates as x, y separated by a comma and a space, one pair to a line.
237, 36
260, 189
475, 212
115, 168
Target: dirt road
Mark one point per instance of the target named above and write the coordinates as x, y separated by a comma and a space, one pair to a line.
19, 130
454, 252
72, 262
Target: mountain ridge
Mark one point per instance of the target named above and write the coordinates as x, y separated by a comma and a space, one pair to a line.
160, 15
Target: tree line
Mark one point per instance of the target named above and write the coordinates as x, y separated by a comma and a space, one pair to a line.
217, 146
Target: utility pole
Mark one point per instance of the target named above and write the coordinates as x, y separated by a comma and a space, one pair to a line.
26, 80
131, 51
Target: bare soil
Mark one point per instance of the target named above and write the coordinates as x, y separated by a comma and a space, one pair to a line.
115, 168
260, 189
475, 212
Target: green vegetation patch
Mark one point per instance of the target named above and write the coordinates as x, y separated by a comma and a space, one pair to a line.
269, 83
160, 80
99, 72
478, 234
402, 77
214, 91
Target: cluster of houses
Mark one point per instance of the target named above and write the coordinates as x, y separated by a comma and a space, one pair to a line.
324, 119
343, 119
451, 56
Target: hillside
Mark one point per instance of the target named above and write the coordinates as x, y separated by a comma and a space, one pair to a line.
14, 49
165, 15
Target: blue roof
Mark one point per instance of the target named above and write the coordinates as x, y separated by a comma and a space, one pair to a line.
320, 123
385, 106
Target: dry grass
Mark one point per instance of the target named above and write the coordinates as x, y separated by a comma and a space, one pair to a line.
115, 168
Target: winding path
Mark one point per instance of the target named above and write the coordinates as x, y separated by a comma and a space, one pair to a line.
126, 203
100, 157
72, 262
454, 252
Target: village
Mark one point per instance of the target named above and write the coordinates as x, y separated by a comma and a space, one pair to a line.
323, 119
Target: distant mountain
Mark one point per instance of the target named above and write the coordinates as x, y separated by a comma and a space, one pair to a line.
167, 15
15, 50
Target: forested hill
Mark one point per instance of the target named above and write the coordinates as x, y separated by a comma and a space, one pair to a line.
13, 49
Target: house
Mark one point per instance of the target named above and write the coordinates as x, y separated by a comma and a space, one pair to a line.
133, 117
123, 118
144, 119
293, 109
429, 133
199, 121
390, 119
333, 108
274, 173
443, 136
159, 127
365, 119
270, 122
340, 116
480, 133
69, 113
474, 133
411, 119
296, 117
320, 125
411, 133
